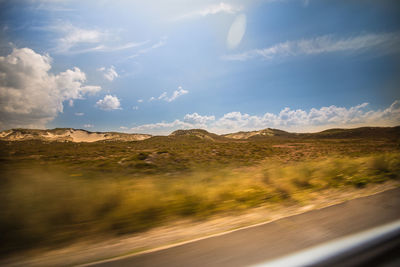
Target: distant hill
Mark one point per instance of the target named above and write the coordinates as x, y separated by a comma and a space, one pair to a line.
68, 134
78, 135
199, 133
261, 134
362, 132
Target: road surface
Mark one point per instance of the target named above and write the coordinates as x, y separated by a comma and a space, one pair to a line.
264, 242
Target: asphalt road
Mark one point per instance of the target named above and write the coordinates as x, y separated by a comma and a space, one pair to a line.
260, 243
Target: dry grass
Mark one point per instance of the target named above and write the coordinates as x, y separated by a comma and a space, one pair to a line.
50, 205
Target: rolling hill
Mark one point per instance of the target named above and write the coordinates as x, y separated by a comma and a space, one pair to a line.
265, 133
354, 133
78, 135
68, 134
199, 133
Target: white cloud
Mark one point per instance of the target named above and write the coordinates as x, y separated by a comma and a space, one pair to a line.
135, 107
109, 102
162, 127
71, 103
110, 73
142, 51
31, 96
287, 119
88, 125
195, 119
140, 101
384, 42
76, 40
107, 48
164, 96
52, 6
211, 10
79, 114
190, 121
74, 36
177, 93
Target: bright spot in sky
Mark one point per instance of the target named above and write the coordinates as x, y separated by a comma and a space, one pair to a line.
236, 32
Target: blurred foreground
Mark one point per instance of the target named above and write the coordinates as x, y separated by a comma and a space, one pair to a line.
310, 238
55, 193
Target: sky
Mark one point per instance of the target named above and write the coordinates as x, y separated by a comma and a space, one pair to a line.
155, 66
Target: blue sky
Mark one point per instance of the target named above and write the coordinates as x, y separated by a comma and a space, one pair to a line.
156, 66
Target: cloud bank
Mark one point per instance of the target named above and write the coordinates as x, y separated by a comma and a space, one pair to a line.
31, 96
287, 119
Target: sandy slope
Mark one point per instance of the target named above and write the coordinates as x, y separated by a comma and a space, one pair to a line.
63, 135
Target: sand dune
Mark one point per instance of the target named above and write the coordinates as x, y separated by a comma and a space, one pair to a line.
65, 135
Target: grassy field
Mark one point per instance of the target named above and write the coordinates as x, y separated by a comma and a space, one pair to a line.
55, 193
